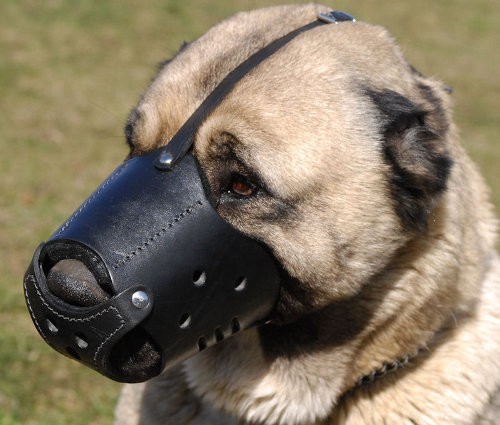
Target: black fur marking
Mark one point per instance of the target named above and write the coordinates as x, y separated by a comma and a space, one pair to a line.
223, 162
298, 327
414, 147
440, 122
280, 211
129, 129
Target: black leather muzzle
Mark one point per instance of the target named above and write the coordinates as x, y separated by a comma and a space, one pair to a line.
146, 273
178, 278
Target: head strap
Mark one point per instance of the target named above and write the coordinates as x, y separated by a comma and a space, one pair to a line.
184, 138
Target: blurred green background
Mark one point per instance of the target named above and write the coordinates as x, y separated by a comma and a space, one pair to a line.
70, 71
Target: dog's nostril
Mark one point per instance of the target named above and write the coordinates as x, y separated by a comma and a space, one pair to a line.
71, 281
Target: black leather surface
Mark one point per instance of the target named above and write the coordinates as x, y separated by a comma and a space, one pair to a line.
157, 230
68, 328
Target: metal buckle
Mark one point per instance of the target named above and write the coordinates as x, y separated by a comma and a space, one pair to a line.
335, 17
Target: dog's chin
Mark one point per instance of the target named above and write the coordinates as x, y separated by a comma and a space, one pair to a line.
294, 302
136, 357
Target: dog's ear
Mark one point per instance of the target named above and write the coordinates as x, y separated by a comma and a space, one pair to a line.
414, 145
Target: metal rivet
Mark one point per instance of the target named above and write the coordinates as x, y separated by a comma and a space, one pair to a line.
335, 17
166, 158
140, 299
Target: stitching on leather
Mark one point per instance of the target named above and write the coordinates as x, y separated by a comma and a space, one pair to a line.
39, 328
71, 319
92, 197
106, 340
144, 246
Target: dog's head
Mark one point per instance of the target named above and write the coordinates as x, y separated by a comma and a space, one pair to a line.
332, 154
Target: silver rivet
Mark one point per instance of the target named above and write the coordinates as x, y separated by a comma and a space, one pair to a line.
140, 299
166, 158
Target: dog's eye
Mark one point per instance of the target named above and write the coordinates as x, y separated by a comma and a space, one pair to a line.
240, 186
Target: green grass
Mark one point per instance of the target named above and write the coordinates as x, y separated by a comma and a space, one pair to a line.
70, 71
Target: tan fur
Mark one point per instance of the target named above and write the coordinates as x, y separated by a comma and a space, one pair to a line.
373, 291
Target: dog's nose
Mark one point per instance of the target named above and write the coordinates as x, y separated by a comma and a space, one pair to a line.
71, 281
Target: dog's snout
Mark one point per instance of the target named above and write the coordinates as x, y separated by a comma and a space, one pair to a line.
71, 281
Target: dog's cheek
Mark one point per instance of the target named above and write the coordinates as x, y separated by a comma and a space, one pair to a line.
271, 222
309, 257
327, 246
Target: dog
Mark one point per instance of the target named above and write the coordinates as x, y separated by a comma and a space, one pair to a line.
345, 162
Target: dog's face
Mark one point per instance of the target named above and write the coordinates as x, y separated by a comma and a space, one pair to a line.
335, 154
331, 152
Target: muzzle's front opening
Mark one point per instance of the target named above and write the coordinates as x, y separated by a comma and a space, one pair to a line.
135, 357
71, 281
74, 308
75, 274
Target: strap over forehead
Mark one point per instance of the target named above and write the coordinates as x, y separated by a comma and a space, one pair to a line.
184, 138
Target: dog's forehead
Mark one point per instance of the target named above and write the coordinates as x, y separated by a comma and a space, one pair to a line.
193, 73
306, 71
305, 108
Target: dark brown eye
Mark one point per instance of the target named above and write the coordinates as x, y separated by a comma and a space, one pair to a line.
241, 186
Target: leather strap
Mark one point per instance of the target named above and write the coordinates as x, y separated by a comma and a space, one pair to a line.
184, 138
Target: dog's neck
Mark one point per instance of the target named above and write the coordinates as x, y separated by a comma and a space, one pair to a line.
305, 368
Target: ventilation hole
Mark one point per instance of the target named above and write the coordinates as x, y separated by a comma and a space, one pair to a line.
72, 353
185, 320
81, 340
219, 336
235, 325
51, 326
199, 277
240, 283
202, 343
